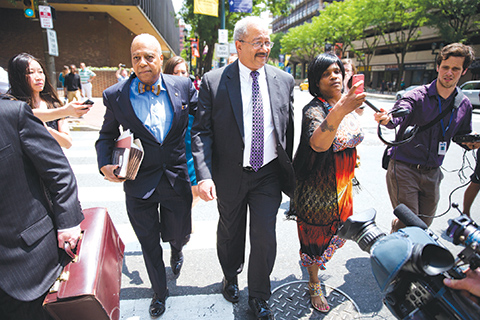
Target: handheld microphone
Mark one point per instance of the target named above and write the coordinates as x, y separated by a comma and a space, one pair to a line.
368, 103
409, 218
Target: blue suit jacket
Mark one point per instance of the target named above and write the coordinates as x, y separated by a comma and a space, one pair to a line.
31, 161
160, 158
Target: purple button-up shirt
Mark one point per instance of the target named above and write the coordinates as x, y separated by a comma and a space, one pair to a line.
423, 104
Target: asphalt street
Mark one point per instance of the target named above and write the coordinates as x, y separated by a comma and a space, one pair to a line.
196, 292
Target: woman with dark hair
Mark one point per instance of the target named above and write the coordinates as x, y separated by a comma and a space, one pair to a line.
29, 83
177, 66
324, 167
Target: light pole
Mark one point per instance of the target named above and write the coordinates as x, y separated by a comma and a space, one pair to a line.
189, 40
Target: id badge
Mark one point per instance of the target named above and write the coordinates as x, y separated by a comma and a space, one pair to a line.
442, 148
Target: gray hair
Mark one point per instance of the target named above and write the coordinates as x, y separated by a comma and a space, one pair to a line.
241, 26
151, 39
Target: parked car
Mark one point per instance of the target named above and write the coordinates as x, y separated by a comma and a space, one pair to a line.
304, 85
400, 93
472, 90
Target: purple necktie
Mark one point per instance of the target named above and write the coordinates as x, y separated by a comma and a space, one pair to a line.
256, 155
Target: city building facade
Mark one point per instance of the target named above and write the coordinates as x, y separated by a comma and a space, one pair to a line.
419, 65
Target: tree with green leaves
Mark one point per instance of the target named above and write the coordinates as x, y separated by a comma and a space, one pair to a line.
400, 25
456, 20
206, 27
371, 34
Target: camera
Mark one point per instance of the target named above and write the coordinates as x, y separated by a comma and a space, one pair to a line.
123, 66
410, 264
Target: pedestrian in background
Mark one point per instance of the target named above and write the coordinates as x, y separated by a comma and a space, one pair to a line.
197, 82
72, 83
121, 73
61, 79
324, 168
86, 78
382, 86
33, 227
243, 158
413, 174
473, 188
30, 83
155, 108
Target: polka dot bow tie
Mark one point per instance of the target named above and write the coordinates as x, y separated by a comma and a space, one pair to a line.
144, 88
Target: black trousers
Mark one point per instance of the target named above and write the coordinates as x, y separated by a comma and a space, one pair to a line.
173, 222
13, 309
260, 192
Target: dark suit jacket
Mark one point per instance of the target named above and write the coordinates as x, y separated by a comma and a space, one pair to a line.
218, 132
30, 159
160, 158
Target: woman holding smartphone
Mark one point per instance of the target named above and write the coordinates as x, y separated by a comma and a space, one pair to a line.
29, 83
324, 167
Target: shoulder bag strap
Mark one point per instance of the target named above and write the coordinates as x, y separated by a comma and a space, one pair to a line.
455, 103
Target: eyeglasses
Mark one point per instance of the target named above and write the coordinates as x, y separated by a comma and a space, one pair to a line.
259, 44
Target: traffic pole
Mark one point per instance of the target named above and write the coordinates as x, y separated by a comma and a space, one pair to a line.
49, 59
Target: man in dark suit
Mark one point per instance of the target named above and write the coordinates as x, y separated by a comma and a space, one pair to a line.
242, 146
32, 226
155, 108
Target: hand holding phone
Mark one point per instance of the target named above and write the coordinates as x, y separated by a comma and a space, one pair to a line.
356, 78
87, 102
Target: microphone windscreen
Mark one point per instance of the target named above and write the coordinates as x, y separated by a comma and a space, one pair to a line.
408, 218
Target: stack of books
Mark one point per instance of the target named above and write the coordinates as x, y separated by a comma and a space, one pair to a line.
128, 155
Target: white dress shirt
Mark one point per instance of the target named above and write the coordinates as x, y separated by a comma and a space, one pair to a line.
270, 151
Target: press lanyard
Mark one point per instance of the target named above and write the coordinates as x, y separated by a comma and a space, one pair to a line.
441, 120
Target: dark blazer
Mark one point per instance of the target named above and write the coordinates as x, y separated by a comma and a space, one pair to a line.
218, 132
160, 158
30, 159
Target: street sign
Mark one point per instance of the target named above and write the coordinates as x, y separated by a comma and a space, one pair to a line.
221, 50
45, 14
222, 36
52, 42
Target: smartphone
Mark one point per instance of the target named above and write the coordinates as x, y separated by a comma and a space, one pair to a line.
356, 78
88, 101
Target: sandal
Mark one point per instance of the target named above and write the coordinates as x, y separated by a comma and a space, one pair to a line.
315, 290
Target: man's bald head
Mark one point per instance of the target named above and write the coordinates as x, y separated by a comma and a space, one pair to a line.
147, 58
147, 38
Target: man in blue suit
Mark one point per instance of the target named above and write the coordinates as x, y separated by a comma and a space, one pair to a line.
155, 108
33, 225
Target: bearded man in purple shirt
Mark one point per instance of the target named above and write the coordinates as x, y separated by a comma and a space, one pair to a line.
413, 174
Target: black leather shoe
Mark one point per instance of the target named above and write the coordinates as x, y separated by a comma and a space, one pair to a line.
157, 306
176, 261
261, 309
230, 290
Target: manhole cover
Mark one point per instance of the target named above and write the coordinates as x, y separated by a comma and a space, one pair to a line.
292, 301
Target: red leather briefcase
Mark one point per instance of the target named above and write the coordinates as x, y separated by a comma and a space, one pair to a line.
89, 287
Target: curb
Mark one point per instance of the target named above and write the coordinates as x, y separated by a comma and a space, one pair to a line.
381, 96
76, 125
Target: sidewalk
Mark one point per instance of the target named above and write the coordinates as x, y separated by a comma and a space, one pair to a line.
92, 121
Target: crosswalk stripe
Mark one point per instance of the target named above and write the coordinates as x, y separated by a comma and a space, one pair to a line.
101, 194
203, 237
85, 169
211, 306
